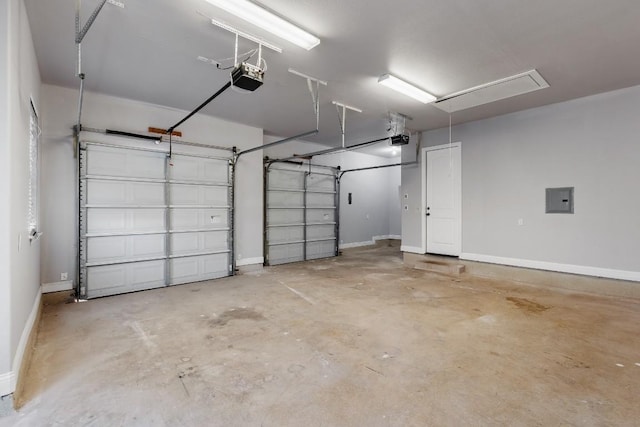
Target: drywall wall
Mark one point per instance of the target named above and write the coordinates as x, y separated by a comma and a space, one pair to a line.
375, 208
508, 161
22, 286
370, 214
101, 111
5, 295
395, 201
411, 203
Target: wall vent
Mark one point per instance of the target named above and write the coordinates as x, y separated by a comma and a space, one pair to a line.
493, 91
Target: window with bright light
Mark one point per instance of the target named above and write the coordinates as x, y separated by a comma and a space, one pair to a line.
34, 137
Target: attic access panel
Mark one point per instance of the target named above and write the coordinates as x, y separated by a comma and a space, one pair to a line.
508, 87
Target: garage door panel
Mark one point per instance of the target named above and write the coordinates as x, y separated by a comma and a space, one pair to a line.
285, 216
120, 162
196, 269
199, 195
278, 198
317, 182
147, 246
191, 219
286, 179
321, 215
103, 220
285, 234
115, 279
199, 169
314, 199
146, 193
191, 243
122, 248
323, 249
124, 193
321, 231
283, 254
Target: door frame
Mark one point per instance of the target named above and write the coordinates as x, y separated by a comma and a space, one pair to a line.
424, 191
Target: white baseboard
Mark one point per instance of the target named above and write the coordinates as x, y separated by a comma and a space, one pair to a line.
373, 241
411, 249
6, 381
551, 266
24, 339
47, 288
387, 237
356, 244
249, 261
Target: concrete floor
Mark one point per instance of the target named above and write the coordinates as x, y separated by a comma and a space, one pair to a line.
358, 340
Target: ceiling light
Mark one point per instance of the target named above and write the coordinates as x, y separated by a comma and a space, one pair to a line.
243, 34
405, 88
266, 20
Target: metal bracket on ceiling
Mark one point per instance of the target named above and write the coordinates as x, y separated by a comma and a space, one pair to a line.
398, 122
315, 93
80, 34
342, 117
316, 105
242, 34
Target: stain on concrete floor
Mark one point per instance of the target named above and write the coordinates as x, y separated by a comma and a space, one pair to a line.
239, 313
381, 345
530, 306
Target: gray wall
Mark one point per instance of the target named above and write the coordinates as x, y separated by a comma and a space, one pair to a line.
19, 285
395, 201
507, 162
375, 211
374, 199
411, 203
5, 295
101, 111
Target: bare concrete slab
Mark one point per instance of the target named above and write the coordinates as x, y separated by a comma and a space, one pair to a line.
357, 340
533, 277
451, 268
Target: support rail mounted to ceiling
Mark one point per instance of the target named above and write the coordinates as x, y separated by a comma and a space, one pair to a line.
315, 98
335, 150
341, 174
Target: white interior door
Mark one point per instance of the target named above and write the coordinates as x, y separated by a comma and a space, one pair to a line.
443, 199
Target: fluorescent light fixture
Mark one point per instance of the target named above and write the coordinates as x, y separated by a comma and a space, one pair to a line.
245, 35
405, 88
266, 20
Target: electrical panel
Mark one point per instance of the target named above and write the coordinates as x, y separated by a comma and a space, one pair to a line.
559, 200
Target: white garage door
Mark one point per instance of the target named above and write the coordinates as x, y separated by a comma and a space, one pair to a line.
301, 213
147, 221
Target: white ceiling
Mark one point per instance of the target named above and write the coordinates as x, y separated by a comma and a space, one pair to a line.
147, 51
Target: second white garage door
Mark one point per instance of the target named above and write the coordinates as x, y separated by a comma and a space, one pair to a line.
301, 218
